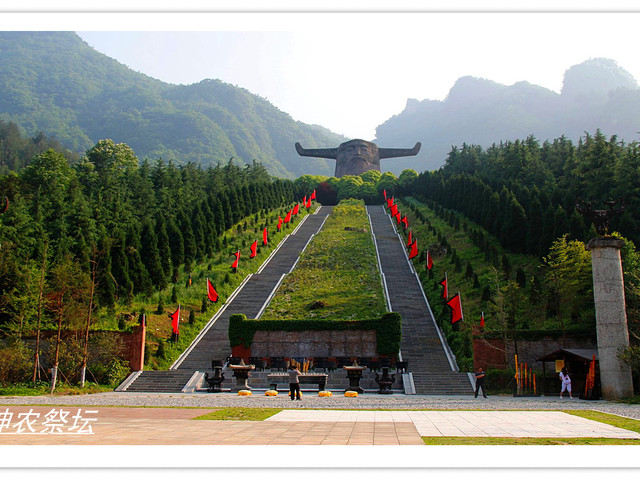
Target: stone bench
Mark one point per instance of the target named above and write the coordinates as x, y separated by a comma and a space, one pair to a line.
306, 378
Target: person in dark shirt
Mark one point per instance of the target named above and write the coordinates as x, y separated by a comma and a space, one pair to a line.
480, 383
294, 382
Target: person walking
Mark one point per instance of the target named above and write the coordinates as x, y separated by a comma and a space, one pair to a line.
566, 382
480, 383
294, 382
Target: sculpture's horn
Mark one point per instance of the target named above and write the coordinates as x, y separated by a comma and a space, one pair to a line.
317, 152
5, 207
399, 152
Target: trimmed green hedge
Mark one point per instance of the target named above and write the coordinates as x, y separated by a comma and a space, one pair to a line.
388, 329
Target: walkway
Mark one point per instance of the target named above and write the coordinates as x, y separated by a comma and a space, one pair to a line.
162, 426
421, 345
468, 423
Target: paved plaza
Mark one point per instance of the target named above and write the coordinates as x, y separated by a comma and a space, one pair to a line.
116, 419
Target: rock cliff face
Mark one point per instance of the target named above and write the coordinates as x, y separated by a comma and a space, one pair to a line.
597, 76
597, 94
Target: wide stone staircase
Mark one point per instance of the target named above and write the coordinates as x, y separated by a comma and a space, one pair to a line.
431, 364
160, 381
430, 361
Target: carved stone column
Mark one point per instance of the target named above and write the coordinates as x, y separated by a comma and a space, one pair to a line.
611, 316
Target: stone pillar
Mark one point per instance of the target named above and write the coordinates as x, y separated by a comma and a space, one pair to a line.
136, 352
611, 316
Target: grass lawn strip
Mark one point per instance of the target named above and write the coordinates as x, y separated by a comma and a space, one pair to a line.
527, 441
248, 414
337, 276
608, 418
44, 388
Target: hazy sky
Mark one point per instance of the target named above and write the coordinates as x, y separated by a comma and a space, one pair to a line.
350, 72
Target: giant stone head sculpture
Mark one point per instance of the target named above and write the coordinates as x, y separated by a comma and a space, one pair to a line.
357, 156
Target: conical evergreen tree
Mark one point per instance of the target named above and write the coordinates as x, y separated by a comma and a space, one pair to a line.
150, 255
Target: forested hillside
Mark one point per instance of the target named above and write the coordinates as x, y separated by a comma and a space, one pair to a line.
514, 241
525, 193
53, 82
596, 94
88, 243
141, 223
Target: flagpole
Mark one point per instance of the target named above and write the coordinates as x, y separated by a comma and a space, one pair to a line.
446, 286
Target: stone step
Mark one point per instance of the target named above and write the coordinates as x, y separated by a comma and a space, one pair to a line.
420, 345
160, 381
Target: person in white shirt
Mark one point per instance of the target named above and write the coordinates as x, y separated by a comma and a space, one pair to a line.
566, 382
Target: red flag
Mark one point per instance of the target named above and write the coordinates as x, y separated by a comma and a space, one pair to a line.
429, 261
175, 321
313, 195
279, 222
287, 219
389, 202
211, 292
384, 192
265, 233
414, 250
304, 201
253, 248
445, 292
405, 221
394, 210
482, 320
235, 263
308, 205
295, 209
397, 218
409, 239
456, 308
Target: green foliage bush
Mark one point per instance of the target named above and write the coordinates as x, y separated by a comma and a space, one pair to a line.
118, 370
106, 358
160, 353
499, 381
160, 308
631, 356
16, 363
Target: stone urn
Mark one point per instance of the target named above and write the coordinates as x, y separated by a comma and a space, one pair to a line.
241, 372
354, 374
385, 382
215, 381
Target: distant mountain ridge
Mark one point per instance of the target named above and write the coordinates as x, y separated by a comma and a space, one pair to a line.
56, 83
596, 94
